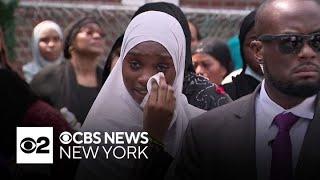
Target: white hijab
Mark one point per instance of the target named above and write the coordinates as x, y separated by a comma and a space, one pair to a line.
115, 110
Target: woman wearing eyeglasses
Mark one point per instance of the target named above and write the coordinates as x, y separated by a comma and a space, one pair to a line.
74, 84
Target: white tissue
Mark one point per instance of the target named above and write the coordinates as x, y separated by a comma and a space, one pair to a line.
155, 77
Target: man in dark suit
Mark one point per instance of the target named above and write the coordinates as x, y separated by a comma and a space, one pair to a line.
273, 133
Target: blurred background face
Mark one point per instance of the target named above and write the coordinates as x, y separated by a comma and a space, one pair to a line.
143, 61
249, 53
50, 45
194, 35
209, 67
89, 40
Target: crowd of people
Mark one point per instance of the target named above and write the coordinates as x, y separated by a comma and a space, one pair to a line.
203, 122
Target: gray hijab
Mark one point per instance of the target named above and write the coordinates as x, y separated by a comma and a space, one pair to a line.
39, 61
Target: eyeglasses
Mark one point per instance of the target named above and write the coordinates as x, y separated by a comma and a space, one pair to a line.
293, 43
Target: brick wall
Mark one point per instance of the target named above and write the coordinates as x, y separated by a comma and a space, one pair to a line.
77, 1
234, 4
113, 21
238, 4
216, 23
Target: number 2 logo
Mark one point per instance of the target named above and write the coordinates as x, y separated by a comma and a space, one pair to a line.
29, 145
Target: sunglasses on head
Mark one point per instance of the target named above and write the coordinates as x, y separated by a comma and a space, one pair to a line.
293, 43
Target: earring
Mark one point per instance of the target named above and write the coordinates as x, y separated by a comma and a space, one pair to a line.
261, 67
260, 61
70, 49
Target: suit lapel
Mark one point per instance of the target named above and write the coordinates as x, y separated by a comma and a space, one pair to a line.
246, 114
309, 159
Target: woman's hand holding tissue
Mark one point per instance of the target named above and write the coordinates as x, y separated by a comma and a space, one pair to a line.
159, 109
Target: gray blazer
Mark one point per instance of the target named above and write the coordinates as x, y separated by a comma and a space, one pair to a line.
220, 144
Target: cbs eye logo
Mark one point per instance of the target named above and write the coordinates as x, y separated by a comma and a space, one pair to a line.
34, 145
29, 145
65, 137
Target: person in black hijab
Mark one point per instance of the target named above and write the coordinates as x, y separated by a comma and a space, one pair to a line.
112, 58
199, 91
251, 75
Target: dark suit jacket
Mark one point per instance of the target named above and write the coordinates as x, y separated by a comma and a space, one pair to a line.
220, 144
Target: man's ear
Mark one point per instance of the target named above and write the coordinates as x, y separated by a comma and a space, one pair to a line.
256, 47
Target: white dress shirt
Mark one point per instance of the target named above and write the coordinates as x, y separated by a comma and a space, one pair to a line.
266, 130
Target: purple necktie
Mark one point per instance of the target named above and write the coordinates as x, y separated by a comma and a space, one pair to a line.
281, 163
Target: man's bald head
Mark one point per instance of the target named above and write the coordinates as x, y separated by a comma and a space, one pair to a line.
269, 11
283, 58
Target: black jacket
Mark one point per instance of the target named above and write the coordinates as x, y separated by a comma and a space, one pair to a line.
241, 85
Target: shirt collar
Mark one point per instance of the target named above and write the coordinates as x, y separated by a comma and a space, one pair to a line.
253, 74
304, 110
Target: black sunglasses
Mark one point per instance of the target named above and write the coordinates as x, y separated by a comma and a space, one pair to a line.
293, 43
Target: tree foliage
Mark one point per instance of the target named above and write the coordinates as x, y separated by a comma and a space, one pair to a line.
7, 8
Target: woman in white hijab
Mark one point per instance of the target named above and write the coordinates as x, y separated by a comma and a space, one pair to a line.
129, 101
46, 48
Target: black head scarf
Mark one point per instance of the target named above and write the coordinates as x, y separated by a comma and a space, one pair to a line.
217, 49
107, 66
247, 24
72, 30
177, 13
